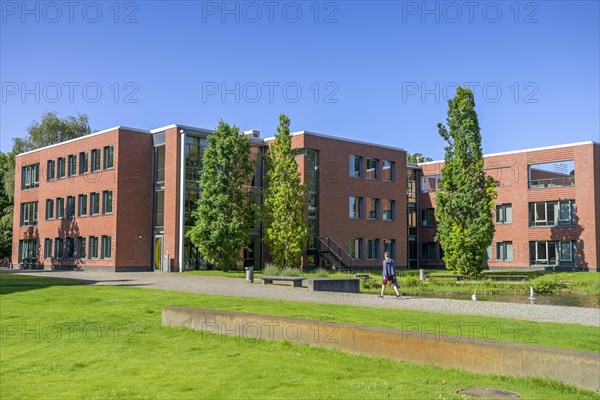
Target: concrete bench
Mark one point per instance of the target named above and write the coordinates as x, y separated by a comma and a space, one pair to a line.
334, 285
507, 277
447, 276
296, 280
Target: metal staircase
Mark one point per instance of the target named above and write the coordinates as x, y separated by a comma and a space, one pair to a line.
332, 254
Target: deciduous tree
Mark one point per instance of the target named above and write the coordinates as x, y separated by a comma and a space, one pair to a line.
224, 214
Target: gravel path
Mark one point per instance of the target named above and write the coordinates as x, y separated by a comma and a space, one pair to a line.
239, 287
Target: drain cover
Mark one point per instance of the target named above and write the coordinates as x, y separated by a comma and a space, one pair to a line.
487, 392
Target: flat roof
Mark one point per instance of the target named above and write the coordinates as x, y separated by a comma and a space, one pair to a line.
558, 146
339, 138
125, 128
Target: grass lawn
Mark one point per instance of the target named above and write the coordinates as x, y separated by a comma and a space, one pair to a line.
66, 341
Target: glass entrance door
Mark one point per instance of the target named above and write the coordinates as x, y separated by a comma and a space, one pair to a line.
158, 253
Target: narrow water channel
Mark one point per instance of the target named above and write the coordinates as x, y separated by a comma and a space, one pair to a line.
573, 300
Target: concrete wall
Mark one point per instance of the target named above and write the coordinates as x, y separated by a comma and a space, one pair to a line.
579, 368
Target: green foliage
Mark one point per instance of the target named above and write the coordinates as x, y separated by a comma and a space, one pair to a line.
7, 178
283, 210
417, 158
51, 130
547, 284
411, 281
290, 272
224, 214
466, 200
322, 273
270, 269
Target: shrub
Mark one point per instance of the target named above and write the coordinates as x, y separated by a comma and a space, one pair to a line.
411, 280
270, 270
547, 284
322, 273
290, 272
370, 283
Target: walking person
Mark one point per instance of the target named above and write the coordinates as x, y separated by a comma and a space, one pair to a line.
388, 275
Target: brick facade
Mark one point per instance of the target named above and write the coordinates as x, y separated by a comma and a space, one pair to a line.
355, 212
520, 189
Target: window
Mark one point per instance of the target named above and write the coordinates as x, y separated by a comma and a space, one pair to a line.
60, 208
566, 213
431, 183
50, 170
95, 160
372, 249
551, 174
389, 245
552, 213
428, 217
83, 162
488, 253
388, 210
47, 248
82, 208
504, 214
59, 244
372, 168
50, 209
356, 248
30, 176
28, 251
29, 213
60, 172
388, 172
106, 247
93, 253
356, 166
70, 206
70, 247
372, 208
428, 251
355, 207
72, 165
109, 152
553, 252
107, 202
504, 251
81, 247
95, 203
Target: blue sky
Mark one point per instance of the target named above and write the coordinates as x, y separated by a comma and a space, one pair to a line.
371, 71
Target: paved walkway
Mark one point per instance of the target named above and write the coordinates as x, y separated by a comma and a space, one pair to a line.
239, 287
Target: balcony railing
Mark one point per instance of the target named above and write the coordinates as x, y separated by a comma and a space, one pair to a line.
551, 182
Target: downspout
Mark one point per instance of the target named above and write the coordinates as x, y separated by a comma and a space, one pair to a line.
181, 199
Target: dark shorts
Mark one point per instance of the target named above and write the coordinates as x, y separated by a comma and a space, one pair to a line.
391, 279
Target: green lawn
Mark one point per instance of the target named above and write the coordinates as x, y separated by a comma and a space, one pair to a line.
67, 341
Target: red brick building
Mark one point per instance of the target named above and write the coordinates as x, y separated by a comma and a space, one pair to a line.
121, 200
547, 211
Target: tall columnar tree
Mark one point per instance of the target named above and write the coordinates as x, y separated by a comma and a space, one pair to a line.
224, 214
283, 210
465, 203
49, 130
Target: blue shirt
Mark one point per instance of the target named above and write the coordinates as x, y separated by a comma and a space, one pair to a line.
388, 268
